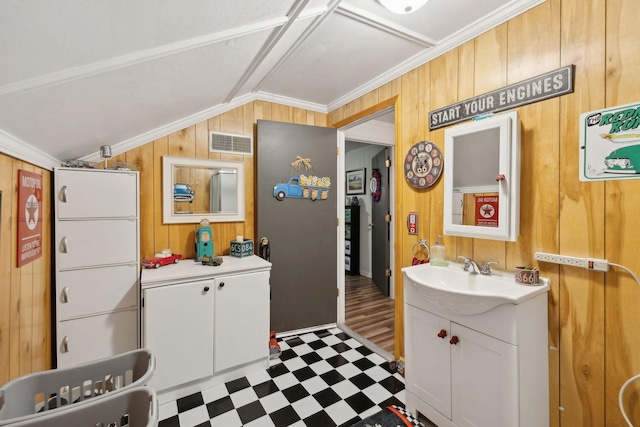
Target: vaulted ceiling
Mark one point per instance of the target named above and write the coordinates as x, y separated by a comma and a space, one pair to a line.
78, 74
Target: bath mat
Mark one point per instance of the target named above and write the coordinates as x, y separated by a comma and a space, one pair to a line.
391, 416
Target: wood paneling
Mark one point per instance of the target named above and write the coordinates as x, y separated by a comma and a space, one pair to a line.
193, 142
593, 319
25, 313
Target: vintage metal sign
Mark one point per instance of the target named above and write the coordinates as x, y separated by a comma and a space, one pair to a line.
545, 86
610, 143
29, 217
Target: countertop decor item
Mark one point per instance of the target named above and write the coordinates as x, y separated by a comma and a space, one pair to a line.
438, 253
526, 275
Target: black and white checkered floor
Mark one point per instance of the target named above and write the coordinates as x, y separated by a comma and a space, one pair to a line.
323, 378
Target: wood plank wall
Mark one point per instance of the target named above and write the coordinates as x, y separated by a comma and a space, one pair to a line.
25, 314
193, 142
593, 320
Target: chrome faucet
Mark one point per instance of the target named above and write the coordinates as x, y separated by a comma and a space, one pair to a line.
472, 267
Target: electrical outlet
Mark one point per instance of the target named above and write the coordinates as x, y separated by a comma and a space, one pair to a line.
588, 263
560, 259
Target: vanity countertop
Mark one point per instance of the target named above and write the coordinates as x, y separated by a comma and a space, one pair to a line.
189, 270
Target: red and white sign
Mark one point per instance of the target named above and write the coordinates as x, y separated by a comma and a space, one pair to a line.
487, 211
29, 217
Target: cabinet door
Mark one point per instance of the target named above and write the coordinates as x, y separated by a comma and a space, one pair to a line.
241, 323
484, 375
96, 290
96, 337
81, 194
96, 242
428, 369
178, 330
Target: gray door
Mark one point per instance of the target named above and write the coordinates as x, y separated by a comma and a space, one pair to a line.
302, 233
381, 229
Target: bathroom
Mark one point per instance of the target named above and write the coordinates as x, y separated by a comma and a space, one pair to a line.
592, 315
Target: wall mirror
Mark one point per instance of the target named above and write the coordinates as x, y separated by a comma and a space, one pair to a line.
193, 189
482, 178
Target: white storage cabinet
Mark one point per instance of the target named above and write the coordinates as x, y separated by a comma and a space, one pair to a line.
205, 325
484, 370
97, 264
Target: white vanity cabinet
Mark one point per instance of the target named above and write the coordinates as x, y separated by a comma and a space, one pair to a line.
205, 325
97, 264
178, 322
240, 319
483, 370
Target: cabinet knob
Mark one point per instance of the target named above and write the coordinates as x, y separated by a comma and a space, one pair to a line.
206, 289
65, 345
442, 333
221, 285
454, 340
65, 294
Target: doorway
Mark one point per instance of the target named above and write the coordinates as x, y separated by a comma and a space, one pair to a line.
367, 306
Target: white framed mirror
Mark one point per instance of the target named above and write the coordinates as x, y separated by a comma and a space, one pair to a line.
194, 189
482, 178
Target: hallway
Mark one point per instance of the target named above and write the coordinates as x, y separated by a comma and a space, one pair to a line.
368, 312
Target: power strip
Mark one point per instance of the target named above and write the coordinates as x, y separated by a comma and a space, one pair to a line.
588, 263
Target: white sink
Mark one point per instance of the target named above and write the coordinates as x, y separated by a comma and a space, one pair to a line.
457, 291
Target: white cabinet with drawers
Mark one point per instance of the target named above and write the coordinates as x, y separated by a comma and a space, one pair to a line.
97, 264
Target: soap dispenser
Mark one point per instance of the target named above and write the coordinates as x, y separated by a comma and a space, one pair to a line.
437, 252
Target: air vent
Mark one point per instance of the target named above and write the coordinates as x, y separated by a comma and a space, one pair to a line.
228, 143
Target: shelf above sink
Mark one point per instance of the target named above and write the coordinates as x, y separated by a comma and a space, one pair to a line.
456, 291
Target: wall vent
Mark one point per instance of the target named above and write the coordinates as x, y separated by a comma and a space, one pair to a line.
228, 143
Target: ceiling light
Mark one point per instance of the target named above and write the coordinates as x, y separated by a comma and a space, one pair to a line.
402, 7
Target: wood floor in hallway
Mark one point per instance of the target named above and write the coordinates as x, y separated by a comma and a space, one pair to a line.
368, 312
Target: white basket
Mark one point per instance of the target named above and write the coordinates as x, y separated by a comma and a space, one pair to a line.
133, 407
57, 390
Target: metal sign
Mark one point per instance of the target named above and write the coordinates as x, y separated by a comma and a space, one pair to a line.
549, 85
610, 143
29, 217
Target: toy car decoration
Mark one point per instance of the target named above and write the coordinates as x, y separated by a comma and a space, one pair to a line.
158, 261
303, 187
182, 193
211, 260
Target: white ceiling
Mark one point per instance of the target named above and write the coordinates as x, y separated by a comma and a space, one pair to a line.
78, 74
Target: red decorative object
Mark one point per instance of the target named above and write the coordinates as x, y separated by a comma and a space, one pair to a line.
29, 217
157, 262
442, 333
487, 211
454, 340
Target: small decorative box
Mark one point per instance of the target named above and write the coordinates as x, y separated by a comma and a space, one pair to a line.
526, 276
241, 249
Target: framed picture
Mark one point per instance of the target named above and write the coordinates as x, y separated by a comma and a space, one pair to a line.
355, 181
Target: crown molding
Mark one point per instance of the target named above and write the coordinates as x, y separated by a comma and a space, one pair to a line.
501, 16
19, 149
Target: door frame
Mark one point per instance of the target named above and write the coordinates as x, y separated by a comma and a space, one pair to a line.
342, 126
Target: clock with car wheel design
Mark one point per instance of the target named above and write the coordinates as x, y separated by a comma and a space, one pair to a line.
423, 164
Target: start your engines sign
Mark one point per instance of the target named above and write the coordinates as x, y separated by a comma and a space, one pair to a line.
29, 217
610, 143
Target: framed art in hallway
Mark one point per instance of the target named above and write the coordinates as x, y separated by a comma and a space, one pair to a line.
355, 181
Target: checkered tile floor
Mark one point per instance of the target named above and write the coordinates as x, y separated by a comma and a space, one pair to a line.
323, 378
